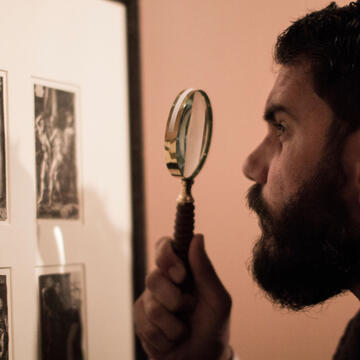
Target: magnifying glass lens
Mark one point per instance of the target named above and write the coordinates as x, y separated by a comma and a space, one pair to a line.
188, 133
192, 133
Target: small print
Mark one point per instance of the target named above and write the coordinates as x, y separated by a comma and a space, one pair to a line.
62, 313
3, 114
56, 160
5, 316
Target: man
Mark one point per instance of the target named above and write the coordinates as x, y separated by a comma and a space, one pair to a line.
306, 194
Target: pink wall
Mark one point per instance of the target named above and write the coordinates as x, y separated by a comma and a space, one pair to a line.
224, 47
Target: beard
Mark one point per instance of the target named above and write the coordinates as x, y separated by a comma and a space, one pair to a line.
310, 252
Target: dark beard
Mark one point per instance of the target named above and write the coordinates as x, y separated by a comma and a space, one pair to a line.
309, 253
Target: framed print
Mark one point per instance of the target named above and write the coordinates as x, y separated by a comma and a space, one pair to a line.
3, 155
75, 184
57, 170
5, 315
62, 312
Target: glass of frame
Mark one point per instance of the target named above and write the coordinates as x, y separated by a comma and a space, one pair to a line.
71, 187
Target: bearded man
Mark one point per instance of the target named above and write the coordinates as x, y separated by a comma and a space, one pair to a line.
306, 195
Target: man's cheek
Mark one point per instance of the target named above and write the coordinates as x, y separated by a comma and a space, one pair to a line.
274, 193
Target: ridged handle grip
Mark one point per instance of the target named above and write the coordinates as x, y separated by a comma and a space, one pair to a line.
184, 230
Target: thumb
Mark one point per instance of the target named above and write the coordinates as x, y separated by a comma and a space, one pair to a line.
205, 278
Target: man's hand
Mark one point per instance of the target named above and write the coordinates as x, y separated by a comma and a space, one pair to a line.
176, 326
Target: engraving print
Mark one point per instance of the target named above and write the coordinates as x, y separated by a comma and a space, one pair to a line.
62, 316
5, 315
56, 165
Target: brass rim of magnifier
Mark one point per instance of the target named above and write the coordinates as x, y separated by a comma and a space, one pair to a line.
172, 135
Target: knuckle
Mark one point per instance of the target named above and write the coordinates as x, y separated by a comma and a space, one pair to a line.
153, 336
150, 333
159, 245
137, 312
160, 288
152, 279
164, 254
160, 241
148, 280
175, 301
154, 311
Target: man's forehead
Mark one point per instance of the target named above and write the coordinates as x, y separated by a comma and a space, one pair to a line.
293, 84
294, 91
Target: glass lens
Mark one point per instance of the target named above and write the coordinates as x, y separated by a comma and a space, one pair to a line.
188, 133
192, 136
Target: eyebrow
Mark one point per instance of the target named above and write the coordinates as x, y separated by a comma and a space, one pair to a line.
269, 114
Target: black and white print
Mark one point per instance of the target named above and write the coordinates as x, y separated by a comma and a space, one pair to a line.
56, 160
62, 313
5, 315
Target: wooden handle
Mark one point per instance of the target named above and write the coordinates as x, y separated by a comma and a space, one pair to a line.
184, 230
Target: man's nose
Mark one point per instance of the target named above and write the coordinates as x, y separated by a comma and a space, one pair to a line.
256, 166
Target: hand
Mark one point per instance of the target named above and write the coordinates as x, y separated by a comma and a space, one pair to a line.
176, 326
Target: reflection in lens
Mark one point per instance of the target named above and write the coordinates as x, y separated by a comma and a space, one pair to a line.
182, 137
194, 135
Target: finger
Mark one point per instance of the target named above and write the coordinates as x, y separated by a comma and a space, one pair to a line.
168, 323
168, 262
150, 334
153, 354
168, 294
206, 280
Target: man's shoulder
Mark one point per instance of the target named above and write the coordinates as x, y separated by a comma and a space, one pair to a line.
349, 345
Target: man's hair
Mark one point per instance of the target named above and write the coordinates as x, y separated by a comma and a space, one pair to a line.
330, 40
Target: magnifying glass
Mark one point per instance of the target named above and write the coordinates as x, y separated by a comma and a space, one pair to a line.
187, 142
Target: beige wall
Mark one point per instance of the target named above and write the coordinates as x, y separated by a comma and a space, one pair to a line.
224, 47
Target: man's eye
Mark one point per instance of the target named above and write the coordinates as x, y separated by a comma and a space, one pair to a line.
280, 129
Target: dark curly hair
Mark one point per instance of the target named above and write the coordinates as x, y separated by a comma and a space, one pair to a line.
330, 40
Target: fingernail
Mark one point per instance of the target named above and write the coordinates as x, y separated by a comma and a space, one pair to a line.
177, 273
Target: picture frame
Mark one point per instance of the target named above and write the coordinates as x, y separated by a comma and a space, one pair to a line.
137, 158
94, 49
62, 304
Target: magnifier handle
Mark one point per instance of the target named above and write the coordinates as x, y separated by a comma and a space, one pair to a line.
184, 230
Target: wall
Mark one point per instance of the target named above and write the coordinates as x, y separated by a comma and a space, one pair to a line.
225, 48
77, 45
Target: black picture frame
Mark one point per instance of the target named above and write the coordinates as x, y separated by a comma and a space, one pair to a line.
136, 156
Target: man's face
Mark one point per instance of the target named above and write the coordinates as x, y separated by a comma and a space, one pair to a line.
298, 121
306, 251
